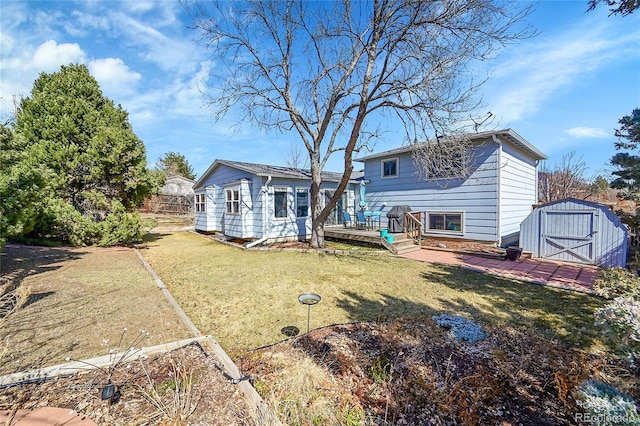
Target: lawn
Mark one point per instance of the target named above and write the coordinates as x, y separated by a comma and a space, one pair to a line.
247, 298
80, 300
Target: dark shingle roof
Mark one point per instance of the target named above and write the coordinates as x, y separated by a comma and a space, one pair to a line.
269, 170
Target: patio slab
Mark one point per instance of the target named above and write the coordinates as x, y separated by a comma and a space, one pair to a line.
568, 276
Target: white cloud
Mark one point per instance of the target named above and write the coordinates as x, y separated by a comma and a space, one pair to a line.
50, 55
114, 75
587, 132
170, 53
541, 69
85, 24
188, 98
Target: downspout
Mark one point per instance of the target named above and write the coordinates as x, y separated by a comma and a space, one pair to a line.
537, 187
498, 188
265, 216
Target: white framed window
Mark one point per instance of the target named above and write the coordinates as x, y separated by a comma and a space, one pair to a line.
280, 203
446, 222
200, 203
232, 198
389, 167
302, 202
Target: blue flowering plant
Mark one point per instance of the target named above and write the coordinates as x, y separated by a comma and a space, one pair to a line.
461, 328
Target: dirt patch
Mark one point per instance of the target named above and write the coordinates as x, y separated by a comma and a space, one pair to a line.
439, 243
181, 387
459, 245
414, 372
80, 300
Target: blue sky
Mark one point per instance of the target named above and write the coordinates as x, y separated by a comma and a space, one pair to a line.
563, 90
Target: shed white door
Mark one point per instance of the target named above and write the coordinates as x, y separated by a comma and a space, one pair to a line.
569, 235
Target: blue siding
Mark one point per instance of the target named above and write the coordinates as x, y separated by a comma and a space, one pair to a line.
518, 189
214, 217
475, 197
240, 225
257, 217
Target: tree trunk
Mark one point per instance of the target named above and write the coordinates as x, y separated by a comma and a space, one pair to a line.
317, 217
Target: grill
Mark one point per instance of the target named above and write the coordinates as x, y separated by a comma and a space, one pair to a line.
396, 218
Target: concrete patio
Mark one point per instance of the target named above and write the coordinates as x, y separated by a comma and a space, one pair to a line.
568, 276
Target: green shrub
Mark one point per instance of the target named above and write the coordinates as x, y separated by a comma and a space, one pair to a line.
605, 405
64, 222
120, 227
380, 370
616, 282
620, 319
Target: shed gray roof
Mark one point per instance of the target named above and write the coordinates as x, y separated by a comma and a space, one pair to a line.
268, 170
506, 134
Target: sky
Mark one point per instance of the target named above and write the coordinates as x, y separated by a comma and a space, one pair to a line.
563, 90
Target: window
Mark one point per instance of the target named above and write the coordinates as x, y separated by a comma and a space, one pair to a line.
302, 202
233, 201
200, 206
280, 202
390, 168
444, 222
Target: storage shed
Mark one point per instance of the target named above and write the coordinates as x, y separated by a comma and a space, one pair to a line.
578, 231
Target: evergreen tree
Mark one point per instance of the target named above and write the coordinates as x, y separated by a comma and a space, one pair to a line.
173, 163
21, 183
86, 149
627, 164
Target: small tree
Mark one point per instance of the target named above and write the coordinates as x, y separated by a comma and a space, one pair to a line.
565, 180
332, 71
173, 163
627, 165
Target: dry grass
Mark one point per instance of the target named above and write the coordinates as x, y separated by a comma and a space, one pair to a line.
80, 300
246, 298
412, 372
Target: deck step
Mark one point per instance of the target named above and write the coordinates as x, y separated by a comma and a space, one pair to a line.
407, 249
403, 244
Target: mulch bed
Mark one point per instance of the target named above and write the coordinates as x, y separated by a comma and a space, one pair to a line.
413, 372
181, 387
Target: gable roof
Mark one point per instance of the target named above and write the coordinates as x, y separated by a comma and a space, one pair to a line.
266, 170
507, 134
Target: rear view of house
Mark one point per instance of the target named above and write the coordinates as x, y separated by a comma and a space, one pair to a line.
261, 202
487, 204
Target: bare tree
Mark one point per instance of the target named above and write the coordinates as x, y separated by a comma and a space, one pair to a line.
332, 71
296, 158
565, 180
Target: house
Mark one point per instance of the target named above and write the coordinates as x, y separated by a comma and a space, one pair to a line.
487, 203
262, 202
577, 231
174, 198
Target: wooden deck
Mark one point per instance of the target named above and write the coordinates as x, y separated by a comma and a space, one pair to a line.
353, 234
401, 243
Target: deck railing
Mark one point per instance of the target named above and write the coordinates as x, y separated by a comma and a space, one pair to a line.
413, 226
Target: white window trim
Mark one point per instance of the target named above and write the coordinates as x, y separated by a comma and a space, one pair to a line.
445, 231
201, 203
397, 160
227, 201
284, 189
305, 189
